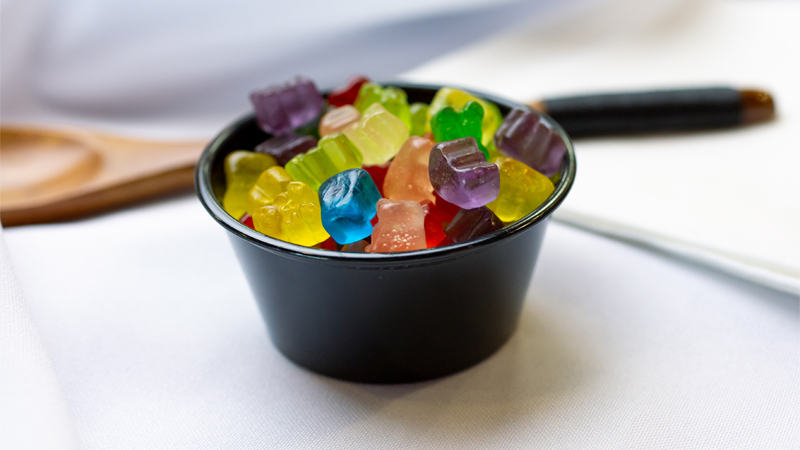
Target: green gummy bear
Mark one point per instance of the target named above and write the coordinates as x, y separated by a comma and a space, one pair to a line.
449, 124
448, 96
368, 94
334, 153
419, 119
393, 99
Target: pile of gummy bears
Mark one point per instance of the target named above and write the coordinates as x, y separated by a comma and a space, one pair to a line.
366, 171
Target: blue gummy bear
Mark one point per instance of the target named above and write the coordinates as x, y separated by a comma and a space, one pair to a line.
347, 202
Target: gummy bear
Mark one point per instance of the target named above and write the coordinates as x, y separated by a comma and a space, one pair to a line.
282, 108
457, 99
328, 244
434, 230
269, 185
283, 148
492, 151
469, 224
247, 221
356, 247
378, 174
407, 177
348, 203
449, 124
444, 209
522, 190
346, 95
393, 99
378, 134
419, 119
529, 137
336, 120
293, 217
401, 227
334, 154
242, 169
461, 175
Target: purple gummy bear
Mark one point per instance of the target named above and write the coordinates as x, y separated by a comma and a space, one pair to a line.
528, 137
282, 108
461, 175
286, 147
471, 223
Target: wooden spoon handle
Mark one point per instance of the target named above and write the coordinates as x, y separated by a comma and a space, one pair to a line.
56, 175
90, 202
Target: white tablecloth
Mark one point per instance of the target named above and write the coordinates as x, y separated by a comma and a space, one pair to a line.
137, 330
158, 344
728, 199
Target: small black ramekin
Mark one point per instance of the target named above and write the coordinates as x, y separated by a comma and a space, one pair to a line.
384, 317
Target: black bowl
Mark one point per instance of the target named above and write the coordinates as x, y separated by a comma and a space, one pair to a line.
384, 317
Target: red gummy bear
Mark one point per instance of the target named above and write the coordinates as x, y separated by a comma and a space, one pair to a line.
378, 174
247, 220
444, 209
434, 230
347, 94
328, 244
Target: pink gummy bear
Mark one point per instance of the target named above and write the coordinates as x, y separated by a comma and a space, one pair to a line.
400, 228
408, 177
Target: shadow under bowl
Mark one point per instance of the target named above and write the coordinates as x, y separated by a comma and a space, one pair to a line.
384, 317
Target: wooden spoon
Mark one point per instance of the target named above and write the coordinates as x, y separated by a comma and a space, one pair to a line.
49, 175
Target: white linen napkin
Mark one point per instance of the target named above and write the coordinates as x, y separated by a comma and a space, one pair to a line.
33, 410
159, 346
728, 199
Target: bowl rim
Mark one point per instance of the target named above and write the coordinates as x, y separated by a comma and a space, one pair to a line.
215, 209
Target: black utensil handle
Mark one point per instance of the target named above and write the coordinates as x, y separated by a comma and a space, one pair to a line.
646, 112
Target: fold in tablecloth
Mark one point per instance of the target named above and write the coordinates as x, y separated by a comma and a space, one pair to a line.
33, 410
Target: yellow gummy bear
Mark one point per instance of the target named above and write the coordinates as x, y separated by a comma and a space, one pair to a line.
456, 98
242, 169
522, 189
270, 184
378, 135
294, 216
